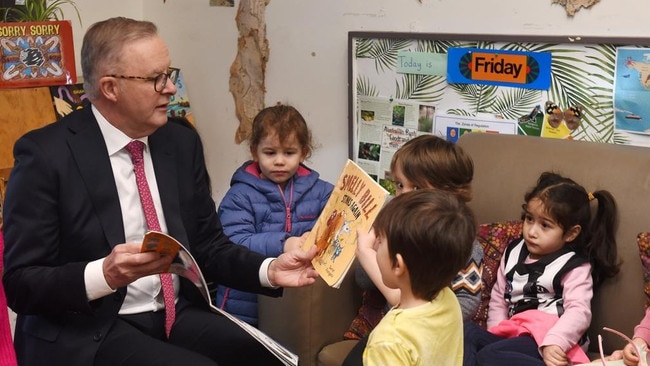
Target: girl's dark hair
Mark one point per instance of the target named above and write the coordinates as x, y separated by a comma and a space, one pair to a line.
285, 121
568, 203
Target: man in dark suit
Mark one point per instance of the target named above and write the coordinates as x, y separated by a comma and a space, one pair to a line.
74, 273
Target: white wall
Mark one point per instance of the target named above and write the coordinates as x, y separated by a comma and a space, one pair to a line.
308, 62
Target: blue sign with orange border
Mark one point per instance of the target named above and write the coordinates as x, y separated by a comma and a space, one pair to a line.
530, 70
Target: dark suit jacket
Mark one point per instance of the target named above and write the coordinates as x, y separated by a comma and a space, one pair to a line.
62, 211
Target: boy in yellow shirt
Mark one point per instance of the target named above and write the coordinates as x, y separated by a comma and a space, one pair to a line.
422, 239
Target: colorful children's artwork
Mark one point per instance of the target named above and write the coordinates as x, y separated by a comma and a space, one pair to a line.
559, 124
68, 98
36, 54
179, 104
531, 124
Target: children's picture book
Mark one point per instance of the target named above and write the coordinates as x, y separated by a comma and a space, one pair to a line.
184, 265
354, 204
36, 54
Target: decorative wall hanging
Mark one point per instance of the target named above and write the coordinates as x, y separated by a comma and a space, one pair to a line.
36, 54
247, 72
572, 6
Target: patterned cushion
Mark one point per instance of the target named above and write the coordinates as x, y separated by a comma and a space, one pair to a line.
373, 306
494, 239
643, 242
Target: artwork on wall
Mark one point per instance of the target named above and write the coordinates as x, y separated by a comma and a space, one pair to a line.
572, 6
68, 98
247, 72
228, 3
71, 97
36, 54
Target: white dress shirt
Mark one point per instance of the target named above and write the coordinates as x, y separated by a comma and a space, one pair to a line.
144, 294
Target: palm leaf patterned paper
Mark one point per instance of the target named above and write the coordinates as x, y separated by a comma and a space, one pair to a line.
580, 75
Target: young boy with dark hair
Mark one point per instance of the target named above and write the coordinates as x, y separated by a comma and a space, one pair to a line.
422, 238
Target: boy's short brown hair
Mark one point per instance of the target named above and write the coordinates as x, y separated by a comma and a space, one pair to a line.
433, 231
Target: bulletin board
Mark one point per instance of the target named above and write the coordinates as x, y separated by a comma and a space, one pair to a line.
606, 80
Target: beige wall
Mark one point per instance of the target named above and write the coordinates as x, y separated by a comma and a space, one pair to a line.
308, 61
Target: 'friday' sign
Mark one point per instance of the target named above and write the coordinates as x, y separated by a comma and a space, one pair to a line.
530, 70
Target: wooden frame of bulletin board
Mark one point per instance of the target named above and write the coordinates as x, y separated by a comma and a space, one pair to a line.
608, 79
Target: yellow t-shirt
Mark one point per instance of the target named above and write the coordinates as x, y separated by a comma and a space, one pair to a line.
429, 334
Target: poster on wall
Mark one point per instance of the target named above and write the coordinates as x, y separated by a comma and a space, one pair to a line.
576, 100
385, 125
631, 93
453, 127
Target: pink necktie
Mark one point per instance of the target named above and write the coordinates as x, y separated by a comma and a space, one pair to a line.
135, 149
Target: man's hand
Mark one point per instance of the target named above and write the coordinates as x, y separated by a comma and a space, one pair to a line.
126, 264
293, 268
554, 356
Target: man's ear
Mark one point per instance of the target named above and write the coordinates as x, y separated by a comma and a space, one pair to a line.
572, 233
108, 88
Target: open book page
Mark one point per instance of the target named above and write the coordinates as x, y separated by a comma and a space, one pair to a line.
184, 265
354, 204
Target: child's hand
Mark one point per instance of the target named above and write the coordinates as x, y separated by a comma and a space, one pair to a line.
616, 355
554, 356
629, 353
366, 243
295, 242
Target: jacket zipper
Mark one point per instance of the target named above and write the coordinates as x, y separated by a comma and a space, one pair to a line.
287, 207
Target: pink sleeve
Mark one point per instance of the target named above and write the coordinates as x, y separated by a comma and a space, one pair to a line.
578, 291
7, 355
643, 329
498, 308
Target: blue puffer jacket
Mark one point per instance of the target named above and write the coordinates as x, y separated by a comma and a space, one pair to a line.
254, 214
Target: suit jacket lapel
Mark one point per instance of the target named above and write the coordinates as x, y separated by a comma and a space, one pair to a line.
164, 161
88, 148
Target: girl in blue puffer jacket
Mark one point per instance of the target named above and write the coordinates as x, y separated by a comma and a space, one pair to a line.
273, 200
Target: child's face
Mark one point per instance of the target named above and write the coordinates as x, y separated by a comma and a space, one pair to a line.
384, 262
278, 160
543, 235
402, 184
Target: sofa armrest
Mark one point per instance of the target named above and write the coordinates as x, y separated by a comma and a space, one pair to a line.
306, 319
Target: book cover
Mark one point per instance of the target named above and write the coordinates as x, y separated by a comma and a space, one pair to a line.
354, 204
185, 265
36, 54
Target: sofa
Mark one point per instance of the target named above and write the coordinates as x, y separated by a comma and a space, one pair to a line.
311, 321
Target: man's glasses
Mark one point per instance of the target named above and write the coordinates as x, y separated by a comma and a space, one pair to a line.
159, 81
